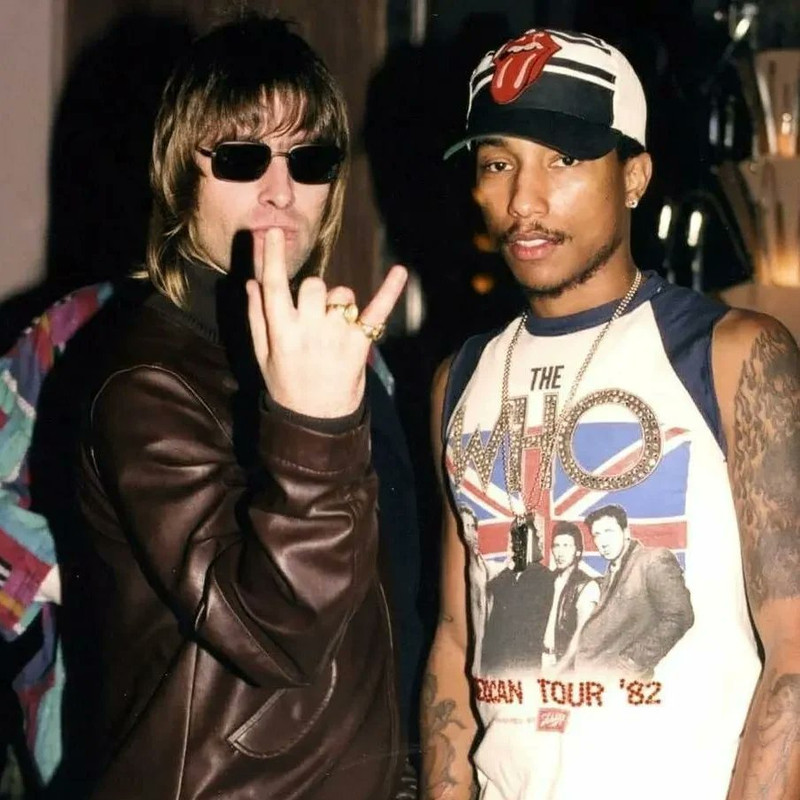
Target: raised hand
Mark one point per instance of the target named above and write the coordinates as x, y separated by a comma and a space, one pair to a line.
312, 358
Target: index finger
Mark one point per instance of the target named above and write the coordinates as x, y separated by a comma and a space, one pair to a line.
381, 305
278, 303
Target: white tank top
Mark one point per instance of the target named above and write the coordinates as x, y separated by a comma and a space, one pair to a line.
641, 689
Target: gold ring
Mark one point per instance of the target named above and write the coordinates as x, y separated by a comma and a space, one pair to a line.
373, 332
349, 310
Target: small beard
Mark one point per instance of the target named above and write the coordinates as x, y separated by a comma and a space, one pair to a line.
588, 271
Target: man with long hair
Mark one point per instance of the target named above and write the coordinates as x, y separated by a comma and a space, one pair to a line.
227, 477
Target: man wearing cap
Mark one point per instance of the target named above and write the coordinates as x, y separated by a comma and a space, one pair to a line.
227, 469
681, 410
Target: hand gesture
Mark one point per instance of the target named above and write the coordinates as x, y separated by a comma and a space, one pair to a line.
313, 355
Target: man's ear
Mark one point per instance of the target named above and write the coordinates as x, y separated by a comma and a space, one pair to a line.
637, 173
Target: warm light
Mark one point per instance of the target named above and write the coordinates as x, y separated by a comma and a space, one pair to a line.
664, 221
419, 18
730, 119
787, 136
785, 267
483, 243
772, 183
713, 125
695, 227
482, 283
414, 303
742, 26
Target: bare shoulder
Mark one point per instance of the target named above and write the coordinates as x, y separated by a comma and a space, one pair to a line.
752, 353
740, 331
438, 391
757, 373
441, 375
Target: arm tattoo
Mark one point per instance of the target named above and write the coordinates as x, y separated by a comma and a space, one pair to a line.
438, 749
766, 452
777, 732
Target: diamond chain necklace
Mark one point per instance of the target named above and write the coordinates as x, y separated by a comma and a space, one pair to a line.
523, 524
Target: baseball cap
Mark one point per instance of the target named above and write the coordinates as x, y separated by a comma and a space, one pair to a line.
569, 91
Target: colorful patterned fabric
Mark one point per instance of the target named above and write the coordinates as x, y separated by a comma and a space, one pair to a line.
27, 550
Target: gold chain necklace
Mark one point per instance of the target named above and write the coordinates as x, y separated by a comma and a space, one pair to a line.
523, 528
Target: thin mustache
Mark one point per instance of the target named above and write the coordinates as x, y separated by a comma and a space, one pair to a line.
518, 232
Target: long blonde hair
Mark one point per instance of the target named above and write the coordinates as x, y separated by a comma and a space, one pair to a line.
223, 90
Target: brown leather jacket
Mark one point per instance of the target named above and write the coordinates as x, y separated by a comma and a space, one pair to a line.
247, 644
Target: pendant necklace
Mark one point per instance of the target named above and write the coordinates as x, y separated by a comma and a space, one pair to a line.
523, 527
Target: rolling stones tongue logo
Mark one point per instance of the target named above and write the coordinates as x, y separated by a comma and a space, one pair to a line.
519, 63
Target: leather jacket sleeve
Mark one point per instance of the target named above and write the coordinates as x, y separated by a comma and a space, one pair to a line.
267, 577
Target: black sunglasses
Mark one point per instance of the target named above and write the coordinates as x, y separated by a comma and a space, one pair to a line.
248, 161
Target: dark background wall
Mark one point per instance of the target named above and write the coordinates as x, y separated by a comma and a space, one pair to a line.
407, 101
